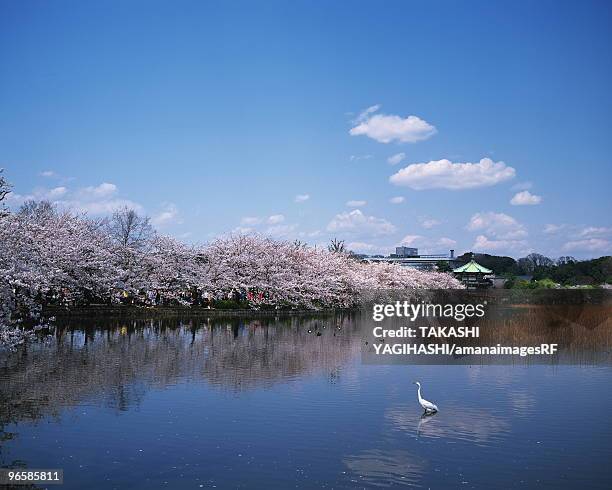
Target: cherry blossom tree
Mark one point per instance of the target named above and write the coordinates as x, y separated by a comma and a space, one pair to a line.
5, 188
51, 256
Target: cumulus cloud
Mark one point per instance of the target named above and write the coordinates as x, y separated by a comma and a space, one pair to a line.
281, 231
444, 174
56, 192
38, 194
275, 219
168, 215
357, 223
428, 245
102, 206
595, 231
498, 225
242, 230
363, 115
356, 203
551, 229
386, 128
397, 158
447, 242
397, 200
47, 173
428, 223
485, 244
525, 198
588, 245
256, 220
582, 238
367, 248
105, 189
411, 240
302, 197
93, 200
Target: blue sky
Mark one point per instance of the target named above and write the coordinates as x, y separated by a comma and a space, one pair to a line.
215, 116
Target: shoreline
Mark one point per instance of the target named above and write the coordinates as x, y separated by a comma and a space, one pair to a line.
500, 298
170, 311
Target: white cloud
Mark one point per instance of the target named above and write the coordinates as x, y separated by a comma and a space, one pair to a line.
310, 234
595, 231
525, 198
100, 207
105, 189
397, 200
13, 199
363, 115
485, 244
38, 194
387, 128
280, 231
397, 158
93, 200
256, 220
446, 242
551, 228
355, 222
428, 245
56, 192
411, 239
275, 219
498, 225
356, 204
354, 158
429, 223
302, 197
242, 230
444, 174
364, 247
47, 173
582, 238
168, 215
588, 245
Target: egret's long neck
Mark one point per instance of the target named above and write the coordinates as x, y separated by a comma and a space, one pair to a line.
419, 393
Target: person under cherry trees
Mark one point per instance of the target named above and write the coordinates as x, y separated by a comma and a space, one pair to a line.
50, 256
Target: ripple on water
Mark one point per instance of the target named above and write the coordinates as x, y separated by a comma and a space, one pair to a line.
453, 423
383, 468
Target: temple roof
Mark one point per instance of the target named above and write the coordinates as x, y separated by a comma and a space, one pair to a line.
473, 267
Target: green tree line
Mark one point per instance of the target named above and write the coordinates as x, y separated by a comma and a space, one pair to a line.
566, 270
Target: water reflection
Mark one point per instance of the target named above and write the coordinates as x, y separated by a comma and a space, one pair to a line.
117, 360
379, 468
453, 422
282, 402
423, 420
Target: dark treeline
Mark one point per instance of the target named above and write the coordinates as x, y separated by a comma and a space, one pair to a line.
564, 270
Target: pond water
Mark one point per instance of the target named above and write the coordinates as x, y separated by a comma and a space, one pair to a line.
267, 403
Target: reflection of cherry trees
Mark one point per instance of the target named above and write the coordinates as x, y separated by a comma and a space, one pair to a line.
120, 362
58, 257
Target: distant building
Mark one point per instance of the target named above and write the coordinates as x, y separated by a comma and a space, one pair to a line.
474, 275
409, 257
405, 252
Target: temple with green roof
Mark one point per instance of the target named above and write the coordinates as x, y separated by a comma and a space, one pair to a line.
474, 275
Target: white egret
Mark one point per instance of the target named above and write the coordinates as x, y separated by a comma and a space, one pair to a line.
427, 406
